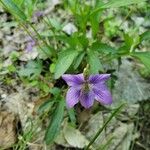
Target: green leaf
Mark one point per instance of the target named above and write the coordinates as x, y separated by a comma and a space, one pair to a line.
14, 9
45, 106
72, 117
32, 69
131, 41
73, 6
55, 123
94, 20
145, 35
49, 51
83, 41
78, 60
55, 91
94, 62
116, 3
128, 41
64, 61
123, 50
71, 41
55, 24
29, 5
144, 57
103, 48
18, 2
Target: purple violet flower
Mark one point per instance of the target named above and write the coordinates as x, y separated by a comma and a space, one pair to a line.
86, 90
37, 15
30, 44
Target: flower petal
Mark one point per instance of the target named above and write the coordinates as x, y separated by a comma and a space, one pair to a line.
102, 94
72, 96
87, 99
73, 80
98, 78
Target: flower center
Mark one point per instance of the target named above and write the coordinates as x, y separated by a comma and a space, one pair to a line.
86, 87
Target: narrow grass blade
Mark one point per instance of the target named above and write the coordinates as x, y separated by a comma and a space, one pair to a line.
116, 3
14, 9
105, 124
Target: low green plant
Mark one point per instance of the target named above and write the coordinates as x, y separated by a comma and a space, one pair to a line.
70, 53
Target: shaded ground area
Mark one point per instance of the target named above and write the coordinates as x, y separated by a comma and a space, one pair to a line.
142, 124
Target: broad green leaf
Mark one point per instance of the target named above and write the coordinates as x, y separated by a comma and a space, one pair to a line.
14, 9
117, 3
144, 57
145, 35
94, 62
78, 60
103, 48
55, 123
64, 61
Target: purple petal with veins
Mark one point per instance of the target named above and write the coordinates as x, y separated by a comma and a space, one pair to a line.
87, 99
73, 80
72, 96
99, 78
102, 94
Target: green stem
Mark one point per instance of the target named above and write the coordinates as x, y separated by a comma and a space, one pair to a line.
126, 17
105, 124
32, 37
107, 144
40, 37
53, 51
